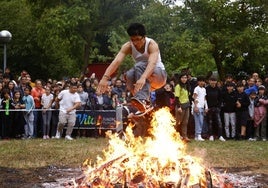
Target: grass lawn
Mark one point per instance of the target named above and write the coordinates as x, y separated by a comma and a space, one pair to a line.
37, 153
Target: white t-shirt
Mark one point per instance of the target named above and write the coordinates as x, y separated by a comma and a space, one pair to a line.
46, 99
67, 100
201, 94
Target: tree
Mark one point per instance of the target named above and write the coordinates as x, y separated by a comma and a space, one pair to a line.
231, 27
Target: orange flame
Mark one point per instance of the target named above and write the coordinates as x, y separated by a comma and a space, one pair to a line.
150, 161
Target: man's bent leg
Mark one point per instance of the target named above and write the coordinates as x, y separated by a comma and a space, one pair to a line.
158, 79
71, 124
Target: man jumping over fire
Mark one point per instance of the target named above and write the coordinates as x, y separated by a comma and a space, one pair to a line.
148, 73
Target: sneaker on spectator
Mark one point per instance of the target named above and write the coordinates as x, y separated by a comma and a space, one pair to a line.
199, 138
141, 105
58, 135
222, 139
44, 137
47, 137
211, 138
67, 137
252, 139
264, 139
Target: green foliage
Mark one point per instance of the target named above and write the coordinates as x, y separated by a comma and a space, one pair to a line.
60, 38
230, 27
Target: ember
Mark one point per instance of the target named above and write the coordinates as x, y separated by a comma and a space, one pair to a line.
158, 161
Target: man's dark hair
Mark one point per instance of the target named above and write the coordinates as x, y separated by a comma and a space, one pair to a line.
73, 84
136, 29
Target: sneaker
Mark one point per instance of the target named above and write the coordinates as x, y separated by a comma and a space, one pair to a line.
199, 138
264, 139
222, 139
44, 137
252, 139
67, 137
141, 105
58, 135
211, 138
138, 113
47, 137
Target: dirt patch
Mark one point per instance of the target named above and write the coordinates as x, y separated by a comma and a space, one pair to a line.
54, 177
38, 177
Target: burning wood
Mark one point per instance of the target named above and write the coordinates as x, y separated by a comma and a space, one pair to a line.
158, 161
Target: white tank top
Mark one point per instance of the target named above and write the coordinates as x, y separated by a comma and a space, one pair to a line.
143, 57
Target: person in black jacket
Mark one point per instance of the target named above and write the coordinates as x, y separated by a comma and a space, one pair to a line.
214, 100
228, 107
242, 113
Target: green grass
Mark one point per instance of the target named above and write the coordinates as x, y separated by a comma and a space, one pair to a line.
36, 153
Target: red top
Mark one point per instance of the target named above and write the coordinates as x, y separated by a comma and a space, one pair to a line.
37, 94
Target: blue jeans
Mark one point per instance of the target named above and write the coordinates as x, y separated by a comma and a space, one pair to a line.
46, 121
199, 121
29, 127
156, 80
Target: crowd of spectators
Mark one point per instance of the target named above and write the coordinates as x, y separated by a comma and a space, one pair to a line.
24, 102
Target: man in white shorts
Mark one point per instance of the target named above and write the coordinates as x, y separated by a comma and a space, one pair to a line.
69, 101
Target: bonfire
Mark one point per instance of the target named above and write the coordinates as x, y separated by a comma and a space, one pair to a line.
157, 161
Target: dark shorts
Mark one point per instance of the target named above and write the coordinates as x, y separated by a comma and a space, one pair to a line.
241, 118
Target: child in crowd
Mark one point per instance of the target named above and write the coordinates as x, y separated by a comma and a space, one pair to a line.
28, 115
18, 115
7, 118
228, 108
250, 122
242, 104
260, 112
200, 107
46, 101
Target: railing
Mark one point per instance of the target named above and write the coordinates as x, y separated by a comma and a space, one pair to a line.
91, 119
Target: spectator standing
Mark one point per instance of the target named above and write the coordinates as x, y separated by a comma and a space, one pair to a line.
103, 102
199, 107
22, 85
250, 122
228, 107
123, 100
8, 72
69, 101
11, 88
37, 93
55, 113
28, 114
46, 102
19, 121
242, 104
87, 87
7, 115
260, 114
164, 97
6, 80
214, 101
115, 101
118, 87
251, 86
182, 108
83, 97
